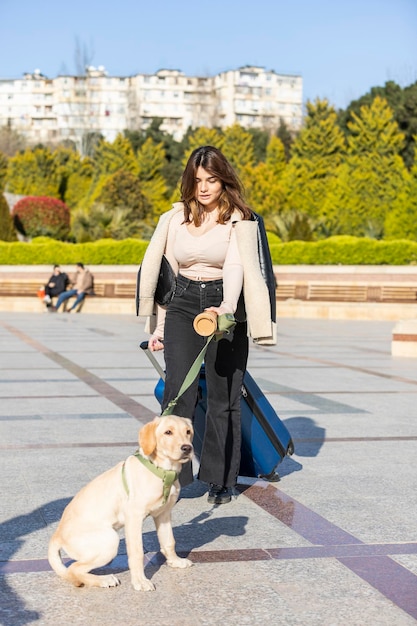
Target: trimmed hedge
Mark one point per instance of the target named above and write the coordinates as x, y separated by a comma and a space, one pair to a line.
345, 250
103, 252
341, 250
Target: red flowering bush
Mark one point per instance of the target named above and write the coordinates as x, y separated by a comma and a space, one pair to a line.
42, 216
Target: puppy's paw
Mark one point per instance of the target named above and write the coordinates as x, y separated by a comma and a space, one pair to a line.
109, 581
179, 563
143, 585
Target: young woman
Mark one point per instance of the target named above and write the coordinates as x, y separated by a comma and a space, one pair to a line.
211, 239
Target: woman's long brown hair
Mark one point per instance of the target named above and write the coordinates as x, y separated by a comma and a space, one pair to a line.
216, 164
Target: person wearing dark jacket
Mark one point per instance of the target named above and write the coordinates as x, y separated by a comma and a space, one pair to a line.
82, 286
57, 283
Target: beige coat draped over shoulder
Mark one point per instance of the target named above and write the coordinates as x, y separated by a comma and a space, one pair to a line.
255, 291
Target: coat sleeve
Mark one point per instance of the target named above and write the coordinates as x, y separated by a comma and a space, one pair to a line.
151, 263
255, 291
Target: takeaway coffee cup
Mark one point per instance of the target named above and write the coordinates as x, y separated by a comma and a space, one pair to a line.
205, 323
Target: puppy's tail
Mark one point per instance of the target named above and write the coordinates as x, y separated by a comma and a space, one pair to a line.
54, 557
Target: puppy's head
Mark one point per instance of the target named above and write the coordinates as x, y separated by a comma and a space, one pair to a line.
167, 438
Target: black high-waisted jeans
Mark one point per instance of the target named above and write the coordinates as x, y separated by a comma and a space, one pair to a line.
225, 364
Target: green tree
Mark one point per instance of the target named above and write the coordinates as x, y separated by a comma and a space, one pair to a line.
202, 136
401, 220
150, 162
108, 159
275, 156
287, 138
260, 142
263, 190
403, 103
372, 175
238, 147
174, 150
79, 181
317, 153
67, 161
112, 157
263, 184
123, 190
7, 229
34, 172
3, 170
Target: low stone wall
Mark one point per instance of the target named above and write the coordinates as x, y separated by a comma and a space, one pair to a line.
330, 292
404, 338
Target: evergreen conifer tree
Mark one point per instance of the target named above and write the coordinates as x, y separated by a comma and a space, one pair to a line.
151, 161
263, 184
372, 175
401, 220
34, 172
3, 170
203, 136
238, 147
316, 155
7, 229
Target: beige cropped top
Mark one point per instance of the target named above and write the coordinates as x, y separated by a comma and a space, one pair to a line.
210, 256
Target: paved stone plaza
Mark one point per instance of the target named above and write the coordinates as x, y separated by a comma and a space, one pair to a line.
333, 543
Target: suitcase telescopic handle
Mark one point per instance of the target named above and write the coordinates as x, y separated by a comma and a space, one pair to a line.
145, 347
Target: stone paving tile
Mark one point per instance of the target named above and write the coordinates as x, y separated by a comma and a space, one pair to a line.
334, 542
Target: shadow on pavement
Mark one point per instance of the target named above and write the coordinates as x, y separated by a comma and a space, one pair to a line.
12, 532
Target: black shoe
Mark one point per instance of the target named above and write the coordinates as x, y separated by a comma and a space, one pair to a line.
218, 494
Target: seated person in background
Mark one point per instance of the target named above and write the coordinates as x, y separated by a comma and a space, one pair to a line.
83, 284
56, 285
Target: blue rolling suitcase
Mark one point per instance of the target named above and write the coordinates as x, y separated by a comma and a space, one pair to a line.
265, 439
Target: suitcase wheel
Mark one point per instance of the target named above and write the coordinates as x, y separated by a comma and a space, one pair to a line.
272, 477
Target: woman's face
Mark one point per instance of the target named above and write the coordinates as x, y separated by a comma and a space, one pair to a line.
208, 189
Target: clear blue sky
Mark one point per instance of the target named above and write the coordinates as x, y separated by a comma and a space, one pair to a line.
340, 47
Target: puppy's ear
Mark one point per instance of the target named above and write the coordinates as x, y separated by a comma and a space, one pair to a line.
147, 437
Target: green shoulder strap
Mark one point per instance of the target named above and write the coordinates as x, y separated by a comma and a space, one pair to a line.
225, 323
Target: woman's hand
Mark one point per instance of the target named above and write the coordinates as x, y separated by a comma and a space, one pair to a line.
220, 310
155, 343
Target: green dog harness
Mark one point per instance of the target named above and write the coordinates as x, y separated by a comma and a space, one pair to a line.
168, 477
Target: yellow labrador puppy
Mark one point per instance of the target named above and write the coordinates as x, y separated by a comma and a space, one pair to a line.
145, 484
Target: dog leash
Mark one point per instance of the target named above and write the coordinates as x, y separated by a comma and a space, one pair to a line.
225, 323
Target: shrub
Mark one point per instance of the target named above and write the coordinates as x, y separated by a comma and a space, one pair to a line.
343, 250
7, 230
103, 252
123, 189
39, 216
272, 237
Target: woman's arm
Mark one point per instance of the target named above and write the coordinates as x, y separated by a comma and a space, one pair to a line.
232, 278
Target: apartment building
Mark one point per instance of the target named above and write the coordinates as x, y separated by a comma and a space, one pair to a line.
256, 98
75, 107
